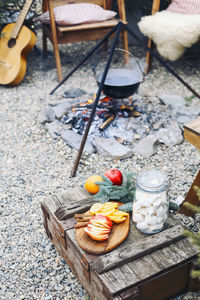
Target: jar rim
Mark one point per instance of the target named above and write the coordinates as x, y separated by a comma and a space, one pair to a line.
152, 180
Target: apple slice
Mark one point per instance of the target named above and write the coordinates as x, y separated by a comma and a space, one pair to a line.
95, 236
97, 229
103, 220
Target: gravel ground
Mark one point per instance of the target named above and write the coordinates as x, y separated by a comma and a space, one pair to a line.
35, 166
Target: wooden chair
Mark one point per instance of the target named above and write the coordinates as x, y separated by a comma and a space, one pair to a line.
155, 9
85, 32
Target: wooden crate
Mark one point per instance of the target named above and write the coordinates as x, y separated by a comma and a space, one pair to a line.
142, 267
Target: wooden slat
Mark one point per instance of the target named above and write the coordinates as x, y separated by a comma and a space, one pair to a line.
192, 138
193, 126
139, 249
94, 26
76, 200
140, 270
191, 197
119, 279
192, 132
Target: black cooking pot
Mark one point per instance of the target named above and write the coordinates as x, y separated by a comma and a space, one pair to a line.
120, 83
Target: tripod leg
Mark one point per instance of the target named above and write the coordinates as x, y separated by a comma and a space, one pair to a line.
119, 26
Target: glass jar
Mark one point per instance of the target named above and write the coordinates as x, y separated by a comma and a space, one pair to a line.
151, 205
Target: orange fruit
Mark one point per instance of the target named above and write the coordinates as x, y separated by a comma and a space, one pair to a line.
90, 185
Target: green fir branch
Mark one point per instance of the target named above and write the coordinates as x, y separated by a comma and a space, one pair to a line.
108, 191
128, 207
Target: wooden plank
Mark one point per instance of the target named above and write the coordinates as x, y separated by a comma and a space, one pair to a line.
138, 249
119, 279
192, 132
104, 24
192, 138
191, 197
193, 126
190, 249
76, 200
139, 271
166, 285
66, 212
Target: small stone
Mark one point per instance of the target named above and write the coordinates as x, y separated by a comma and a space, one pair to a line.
61, 109
172, 100
110, 147
74, 140
54, 128
146, 146
47, 115
171, 135
74, 93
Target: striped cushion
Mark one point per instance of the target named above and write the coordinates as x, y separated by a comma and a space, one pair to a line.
188, 7
74, 14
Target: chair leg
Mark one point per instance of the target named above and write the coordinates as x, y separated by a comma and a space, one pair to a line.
44, 44
125, 40
148, 58
155, 9
58, 62
55, 39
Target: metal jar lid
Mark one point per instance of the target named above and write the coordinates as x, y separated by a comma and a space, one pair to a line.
152, 180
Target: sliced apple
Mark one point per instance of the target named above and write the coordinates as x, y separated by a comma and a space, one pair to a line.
103, 220
95, 236
97, 229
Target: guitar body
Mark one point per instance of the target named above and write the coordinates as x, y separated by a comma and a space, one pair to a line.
13, 58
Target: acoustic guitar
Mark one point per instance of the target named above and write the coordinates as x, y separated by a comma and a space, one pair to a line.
16, 40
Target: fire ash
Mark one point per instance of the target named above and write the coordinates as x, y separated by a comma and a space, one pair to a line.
107, 111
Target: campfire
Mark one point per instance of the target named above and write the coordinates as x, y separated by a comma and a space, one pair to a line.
106, 112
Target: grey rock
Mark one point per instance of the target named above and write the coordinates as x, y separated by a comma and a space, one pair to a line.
54, 128
58, 287
197, 217
172, 100
185, 114
47, 115
74, 93
61, 109
170, 136
183, 119
74, 140
146, 146
110, 147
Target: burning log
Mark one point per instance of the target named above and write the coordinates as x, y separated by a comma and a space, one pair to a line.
107, 109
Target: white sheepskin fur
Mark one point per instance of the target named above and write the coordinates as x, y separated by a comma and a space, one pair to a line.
171, 32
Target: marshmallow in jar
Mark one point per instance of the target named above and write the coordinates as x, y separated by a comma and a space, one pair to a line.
151, 206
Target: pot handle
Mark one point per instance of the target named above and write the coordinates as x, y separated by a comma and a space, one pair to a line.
123, 50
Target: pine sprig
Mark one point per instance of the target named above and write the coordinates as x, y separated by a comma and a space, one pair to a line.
124, 193
128, 207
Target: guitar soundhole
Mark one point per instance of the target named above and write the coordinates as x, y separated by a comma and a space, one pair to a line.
11, 43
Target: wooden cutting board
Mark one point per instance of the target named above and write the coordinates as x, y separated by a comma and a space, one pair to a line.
117, 235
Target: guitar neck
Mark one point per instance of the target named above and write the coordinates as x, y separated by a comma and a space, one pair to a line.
21, 19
